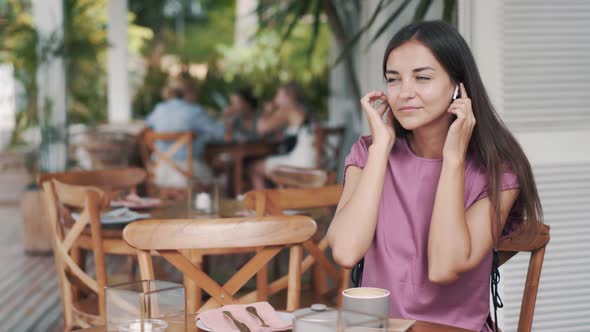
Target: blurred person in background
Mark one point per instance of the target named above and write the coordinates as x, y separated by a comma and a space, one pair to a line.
177, 113
289, 117
241, 116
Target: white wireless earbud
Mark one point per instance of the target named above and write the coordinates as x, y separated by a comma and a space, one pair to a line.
456, 93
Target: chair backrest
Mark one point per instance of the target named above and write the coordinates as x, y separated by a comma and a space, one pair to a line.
328, 146
106, 179
533, 238
153, 157
276, 201
267, 236
298, 177
60, 200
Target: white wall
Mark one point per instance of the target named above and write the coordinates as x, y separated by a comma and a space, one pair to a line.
533, 57
7, 104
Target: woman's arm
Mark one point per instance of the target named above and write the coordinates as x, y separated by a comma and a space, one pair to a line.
458, 239
353, 227
272, 122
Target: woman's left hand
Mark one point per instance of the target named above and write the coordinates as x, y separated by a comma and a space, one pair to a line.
459, 134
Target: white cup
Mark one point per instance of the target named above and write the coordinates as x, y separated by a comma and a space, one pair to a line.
370, 300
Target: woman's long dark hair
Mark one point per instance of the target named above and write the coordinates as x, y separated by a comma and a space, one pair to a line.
492, 144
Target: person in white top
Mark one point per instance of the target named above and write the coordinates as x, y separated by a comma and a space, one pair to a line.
298, 141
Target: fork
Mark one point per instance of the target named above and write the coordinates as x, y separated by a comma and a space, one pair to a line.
241, 326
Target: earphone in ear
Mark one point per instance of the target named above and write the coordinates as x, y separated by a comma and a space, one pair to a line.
456, 93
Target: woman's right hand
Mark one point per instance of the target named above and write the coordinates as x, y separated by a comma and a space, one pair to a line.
381, 130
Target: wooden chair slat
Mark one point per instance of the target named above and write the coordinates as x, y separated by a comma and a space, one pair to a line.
107, 179
321, 259
294, 283
238, 232
532, 237
249, 270
76, 230
151, 157
201, 278
241, 277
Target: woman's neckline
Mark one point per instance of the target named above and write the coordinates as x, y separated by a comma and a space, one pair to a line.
414, 155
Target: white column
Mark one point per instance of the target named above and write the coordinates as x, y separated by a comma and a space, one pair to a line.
246, 22
51, 85
7, 103
117, 71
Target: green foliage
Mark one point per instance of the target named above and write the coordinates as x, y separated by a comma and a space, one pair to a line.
262, 66
85, 45
150, 92
18, 47
284, 16
269, 62
202, 37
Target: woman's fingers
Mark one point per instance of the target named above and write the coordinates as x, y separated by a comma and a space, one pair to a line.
383, 106
464, 94
368, 102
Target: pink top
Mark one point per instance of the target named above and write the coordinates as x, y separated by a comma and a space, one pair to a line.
397, 259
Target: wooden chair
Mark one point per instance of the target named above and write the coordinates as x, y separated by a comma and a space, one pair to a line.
297, 177
110, 182
532, 238
152, 158
68, 190
83, 299
275, 202
111, 179
176, 239
327, 155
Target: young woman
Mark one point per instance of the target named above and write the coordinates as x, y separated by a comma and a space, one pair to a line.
428, 195
290, 116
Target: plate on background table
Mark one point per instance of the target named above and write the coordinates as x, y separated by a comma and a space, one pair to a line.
286, 316
118, 216
133, 201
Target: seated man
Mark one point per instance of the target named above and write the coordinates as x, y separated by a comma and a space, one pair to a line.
180, 113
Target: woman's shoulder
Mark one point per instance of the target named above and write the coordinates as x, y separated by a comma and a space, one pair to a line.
477, 177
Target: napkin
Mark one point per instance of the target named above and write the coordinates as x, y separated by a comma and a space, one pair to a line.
134, 201
215, 320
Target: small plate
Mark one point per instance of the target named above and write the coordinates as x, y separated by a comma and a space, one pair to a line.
133, 201
117, 216
286, 316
